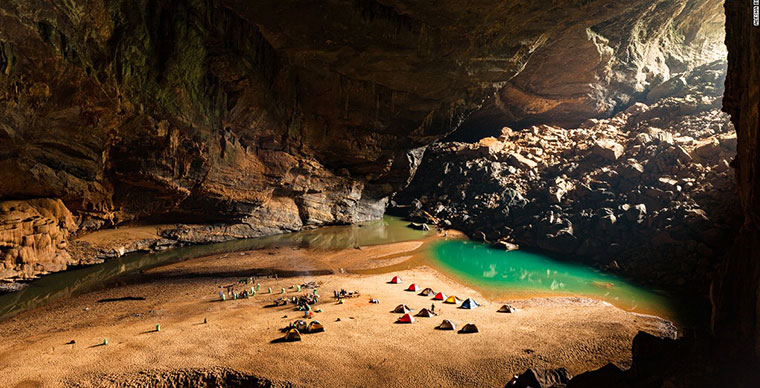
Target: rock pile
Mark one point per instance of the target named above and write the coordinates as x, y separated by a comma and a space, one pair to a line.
632, 192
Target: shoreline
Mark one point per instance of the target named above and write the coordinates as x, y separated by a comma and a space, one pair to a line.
406, 259
578, 333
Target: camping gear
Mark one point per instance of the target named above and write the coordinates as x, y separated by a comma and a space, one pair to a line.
374, 301
300, 325
158, 327
452, 300
505, 308
427, 292
469, 328
425, 313
406, 318
413, 287
396, 280
439, 296
469, 304
292, 335
447, 325
316, 327
402, 309
269, 289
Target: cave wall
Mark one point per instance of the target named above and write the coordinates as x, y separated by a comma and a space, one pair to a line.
276, 116
609, 64
736, 292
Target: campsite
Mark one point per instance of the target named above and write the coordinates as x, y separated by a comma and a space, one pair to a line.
246, 333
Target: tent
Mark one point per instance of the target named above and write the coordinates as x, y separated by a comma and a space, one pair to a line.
427, 292
469, 304
292, 335
469, 328
300, 325
446, 325
413, 287
452, 300
425, 313
439, 296
316, 327
506, 309
406, 318
402, 309
396, 280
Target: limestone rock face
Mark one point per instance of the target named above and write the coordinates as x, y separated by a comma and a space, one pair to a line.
33, 237
628, 55
736, 291
273, 116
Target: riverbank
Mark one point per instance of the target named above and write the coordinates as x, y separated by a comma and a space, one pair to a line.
365, 347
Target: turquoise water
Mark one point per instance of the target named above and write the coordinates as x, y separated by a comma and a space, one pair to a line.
518, 273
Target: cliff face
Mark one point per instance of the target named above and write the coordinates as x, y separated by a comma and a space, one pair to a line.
736, 292
275, 116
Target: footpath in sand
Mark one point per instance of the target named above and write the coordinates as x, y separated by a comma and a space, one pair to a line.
361, 346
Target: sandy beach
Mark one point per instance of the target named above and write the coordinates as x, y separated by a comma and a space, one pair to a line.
361, 346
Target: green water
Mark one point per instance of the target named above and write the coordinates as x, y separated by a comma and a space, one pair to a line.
61, 285
499, 272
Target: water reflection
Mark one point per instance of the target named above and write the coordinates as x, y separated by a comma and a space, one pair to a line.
65, 284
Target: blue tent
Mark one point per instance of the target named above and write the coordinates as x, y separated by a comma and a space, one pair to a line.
469, 304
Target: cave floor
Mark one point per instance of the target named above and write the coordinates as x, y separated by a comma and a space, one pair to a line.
363, 348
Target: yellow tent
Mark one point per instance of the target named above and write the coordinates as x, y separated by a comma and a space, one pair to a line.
316, 327
292, 335
452, 300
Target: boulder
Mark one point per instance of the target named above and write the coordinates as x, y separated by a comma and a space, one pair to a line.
519, 161
708, 149
533, 378
608, 149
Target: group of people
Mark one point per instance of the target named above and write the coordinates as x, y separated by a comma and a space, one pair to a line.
343, 294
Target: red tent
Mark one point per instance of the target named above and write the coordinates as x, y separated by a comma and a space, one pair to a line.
396, 280
439, 296
413, 287
406, 318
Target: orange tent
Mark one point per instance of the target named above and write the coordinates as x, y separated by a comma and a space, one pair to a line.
439, 296
396, 280
413, 287
406, 318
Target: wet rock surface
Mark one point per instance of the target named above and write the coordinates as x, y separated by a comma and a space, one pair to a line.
631, 193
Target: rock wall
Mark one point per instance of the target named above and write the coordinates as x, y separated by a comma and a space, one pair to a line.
613, 62
730, 355
281, 115
648, 192
736, 292
34, 237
